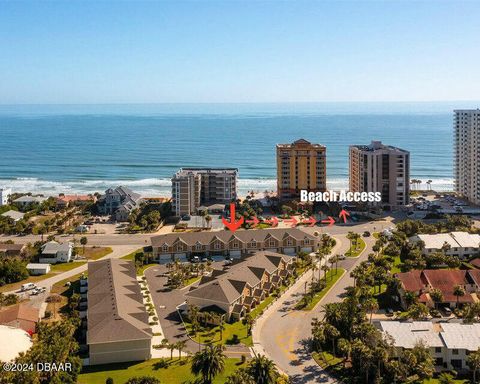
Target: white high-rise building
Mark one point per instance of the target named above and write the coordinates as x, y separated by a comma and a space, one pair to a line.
466, 154
4, 195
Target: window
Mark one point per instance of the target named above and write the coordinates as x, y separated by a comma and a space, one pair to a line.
217, 245
289, 242
454, 351
438, 349
271, 243
165, 248
235, 245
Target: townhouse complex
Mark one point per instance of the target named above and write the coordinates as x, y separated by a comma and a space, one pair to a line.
423, 282
117, 321
449, 343
380, 168
192, 187
244, 285
466, 149
459, 244
181, 246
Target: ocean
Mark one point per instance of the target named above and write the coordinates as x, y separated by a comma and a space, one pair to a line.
52, 149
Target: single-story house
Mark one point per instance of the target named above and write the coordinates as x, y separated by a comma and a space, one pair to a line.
28, 200
21, 315
13, 250
64, 201
13, 215
38, 269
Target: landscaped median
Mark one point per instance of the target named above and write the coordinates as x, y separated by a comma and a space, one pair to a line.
356, 248
332, 277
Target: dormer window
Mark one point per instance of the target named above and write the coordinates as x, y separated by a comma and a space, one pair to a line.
165, 248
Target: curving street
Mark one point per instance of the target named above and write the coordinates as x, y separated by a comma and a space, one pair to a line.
282, 333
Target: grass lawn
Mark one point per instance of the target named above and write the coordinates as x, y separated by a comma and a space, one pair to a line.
141, 270
435, 381
93, 253
356, 249
396, 265
55, 269
176, 371
212, 335
191, 280
131, 256
332, 278
376, 235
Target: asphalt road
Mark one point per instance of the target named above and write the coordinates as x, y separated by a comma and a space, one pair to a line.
283, 333
117, 252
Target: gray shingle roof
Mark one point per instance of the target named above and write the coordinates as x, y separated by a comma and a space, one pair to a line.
205, 238
115, 305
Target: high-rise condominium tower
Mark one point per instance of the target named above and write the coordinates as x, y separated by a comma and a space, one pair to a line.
381, 168
466, 154
194, 186
300, 165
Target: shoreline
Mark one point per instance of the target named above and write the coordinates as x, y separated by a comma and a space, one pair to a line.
161, 187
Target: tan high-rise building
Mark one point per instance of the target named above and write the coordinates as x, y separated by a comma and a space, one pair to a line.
300, 165
381, 168
466, 154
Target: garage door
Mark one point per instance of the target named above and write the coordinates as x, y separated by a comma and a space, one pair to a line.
271, 249
307, 249
180, 256
289, 251
236, 254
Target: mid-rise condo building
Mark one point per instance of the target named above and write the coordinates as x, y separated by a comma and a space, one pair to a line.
192, 187
4, 195
466, 150
300, 165
380, 168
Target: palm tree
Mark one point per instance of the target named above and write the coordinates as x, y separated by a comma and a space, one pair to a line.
262, 370
248, 321
181, 346
172, 347
83, 242
473, 362
344, 347
331, 333
208, 219
458, 291
325, 269
371, 305
208, 363
240, 376
436, 295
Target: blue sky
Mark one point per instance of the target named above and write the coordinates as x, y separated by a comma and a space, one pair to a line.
134, 52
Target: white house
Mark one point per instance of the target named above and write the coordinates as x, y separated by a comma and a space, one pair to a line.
449, 343
27, 200
13, 215
4, 195
460, 244
38, 269
53, 252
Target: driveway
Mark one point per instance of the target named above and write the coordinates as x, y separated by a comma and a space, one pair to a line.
283, 333
169, 318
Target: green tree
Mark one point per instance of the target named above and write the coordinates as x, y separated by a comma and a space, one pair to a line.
262, 370
208, 363
143, 380
240, 376
446, 378
181, 346
473, 362
83, 242
437, 296
458, 291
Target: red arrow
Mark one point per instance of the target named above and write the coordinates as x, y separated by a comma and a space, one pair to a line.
273, 221
311, 220
292, 220
330, 221
343, 215
233, 224
255, 221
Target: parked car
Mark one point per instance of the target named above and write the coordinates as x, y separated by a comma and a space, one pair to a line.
342, 257
28, 287
389, 312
